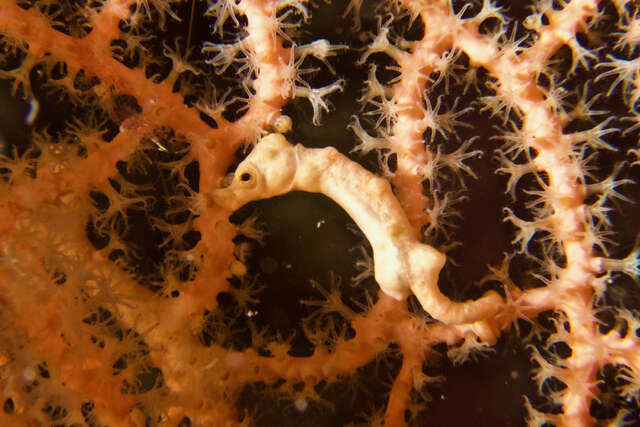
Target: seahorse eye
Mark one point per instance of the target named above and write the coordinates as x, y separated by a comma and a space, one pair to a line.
247, 176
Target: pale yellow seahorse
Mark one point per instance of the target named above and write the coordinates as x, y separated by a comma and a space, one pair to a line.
402, 264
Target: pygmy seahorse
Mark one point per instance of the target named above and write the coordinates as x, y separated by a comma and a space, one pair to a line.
402, 264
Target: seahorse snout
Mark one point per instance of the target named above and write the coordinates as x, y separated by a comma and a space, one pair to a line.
226, 198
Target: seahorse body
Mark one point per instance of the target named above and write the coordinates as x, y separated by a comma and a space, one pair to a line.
402, 265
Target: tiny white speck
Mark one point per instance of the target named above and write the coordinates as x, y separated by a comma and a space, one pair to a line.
301, 404
29, 374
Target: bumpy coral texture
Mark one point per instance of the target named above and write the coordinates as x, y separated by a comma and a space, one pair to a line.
508, 136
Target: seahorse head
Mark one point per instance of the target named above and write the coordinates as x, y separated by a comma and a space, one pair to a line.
268, 171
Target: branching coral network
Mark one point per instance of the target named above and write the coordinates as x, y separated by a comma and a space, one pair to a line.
484, 159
